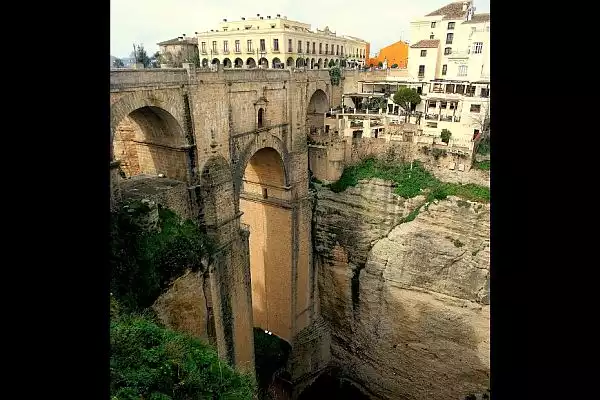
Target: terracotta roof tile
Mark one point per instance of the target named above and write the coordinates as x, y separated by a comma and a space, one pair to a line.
477, 18
450, 11
426, 44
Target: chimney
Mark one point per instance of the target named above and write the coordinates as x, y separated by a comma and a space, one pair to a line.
243, 19
258, 15
224, 19
195, 33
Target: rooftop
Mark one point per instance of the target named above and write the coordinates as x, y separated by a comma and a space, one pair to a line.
451, 11
478, 18
177, 40
426, 44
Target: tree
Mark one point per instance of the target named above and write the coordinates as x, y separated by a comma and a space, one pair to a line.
446, 135
380, 64
408, 99
140, 55
118, 63
331, 64
156, 60
335, 75
394, 65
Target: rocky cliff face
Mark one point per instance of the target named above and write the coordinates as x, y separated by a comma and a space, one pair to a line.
407, 303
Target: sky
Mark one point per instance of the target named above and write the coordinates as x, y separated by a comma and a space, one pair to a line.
148, 22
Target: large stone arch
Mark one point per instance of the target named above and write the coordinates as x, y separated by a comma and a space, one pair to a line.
149, 134
289, 62
262, 140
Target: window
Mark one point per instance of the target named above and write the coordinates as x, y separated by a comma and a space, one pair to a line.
265, 193
299, 46
462, 70
485, 92
214, 48
308, 47
272, 26
447, 51
225, 46
332, 49
432, 104
276, 44
431, 37
250, 46
460, 89
326, 49
431, 125
477, 47
320, 48
421, 71
290, 50
443, 104
204, 47
260, 117
262, 44
423, 53
475, 108
342, 49
444, 69
451, 25
420, 90
225, 29
449, 38
432, 25
314, 48
337, 50
237, 46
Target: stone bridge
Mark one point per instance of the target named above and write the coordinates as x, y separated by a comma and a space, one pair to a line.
236, 139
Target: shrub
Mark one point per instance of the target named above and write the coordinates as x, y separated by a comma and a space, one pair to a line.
151, 362
446, 134
144, 263
394, 65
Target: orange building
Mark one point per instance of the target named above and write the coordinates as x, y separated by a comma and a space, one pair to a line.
395, 53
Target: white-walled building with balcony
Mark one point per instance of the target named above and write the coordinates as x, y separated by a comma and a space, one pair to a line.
450, 54
277, 42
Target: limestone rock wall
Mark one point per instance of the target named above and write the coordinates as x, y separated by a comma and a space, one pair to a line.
407, 303
186, 306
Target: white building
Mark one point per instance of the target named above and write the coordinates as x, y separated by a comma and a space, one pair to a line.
276, 43
451, 56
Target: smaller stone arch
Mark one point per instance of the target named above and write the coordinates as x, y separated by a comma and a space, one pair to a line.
205, 62
226, 63
312, 63
238, 63
326, 63
263, 62
290, 62
337, 62
276, 63
320, 63
307, 62
215, 61
299, 63
250, 62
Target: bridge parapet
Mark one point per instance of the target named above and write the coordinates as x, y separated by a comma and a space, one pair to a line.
151, 78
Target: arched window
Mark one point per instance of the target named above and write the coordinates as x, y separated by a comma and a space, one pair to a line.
261, 113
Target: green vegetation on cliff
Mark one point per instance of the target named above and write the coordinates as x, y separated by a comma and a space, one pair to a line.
409, 182
482, 165
148, 361
142, 262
